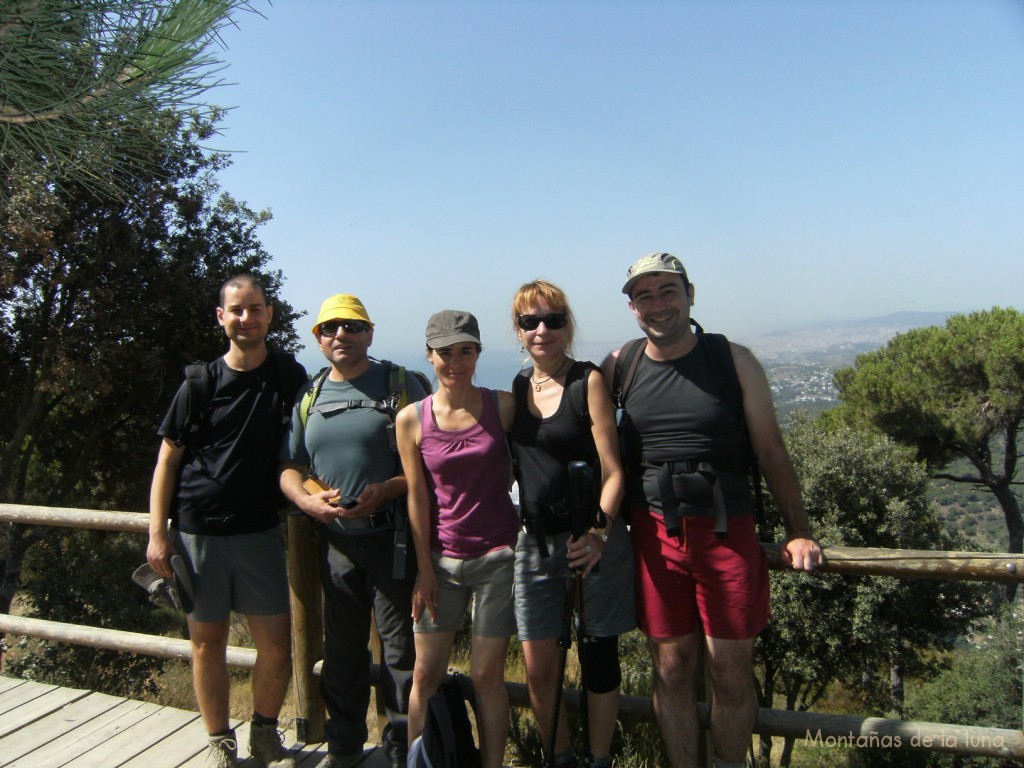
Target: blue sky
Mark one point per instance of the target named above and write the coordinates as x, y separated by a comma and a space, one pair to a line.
807, 160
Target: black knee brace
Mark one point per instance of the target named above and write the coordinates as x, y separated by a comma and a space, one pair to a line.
601, 656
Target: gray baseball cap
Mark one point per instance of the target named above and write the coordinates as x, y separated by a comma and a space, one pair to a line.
650, 264
451, 326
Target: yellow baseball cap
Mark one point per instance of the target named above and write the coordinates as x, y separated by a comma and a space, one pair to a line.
341, 306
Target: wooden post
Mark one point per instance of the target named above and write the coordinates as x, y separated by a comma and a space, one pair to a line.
307, 626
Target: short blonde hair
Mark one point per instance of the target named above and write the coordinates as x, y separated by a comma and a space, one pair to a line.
537, 291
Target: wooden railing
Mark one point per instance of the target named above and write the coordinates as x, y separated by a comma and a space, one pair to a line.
307, 638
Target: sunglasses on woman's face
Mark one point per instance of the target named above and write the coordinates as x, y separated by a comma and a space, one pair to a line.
553, 321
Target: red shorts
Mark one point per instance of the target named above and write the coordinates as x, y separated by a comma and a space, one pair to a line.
723, 581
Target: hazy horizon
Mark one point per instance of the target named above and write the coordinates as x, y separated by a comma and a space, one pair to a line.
806, 161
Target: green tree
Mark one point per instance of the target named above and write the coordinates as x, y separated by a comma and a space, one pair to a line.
80, 82
981, 685
102, 304
860, 489
951, 392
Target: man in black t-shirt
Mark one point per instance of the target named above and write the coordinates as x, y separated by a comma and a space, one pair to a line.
215, 484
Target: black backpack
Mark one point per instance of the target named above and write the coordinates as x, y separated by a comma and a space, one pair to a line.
577, 395
723, 371
447, 739
288, 378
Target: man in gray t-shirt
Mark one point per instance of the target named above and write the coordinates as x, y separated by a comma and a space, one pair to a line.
342, 434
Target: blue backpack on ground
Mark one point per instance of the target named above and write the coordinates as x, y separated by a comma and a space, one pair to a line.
447, 738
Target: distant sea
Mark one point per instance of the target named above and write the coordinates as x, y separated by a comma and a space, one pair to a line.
819, 342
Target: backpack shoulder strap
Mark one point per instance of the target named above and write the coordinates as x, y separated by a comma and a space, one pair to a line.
198, 394
289, 372
398, 384
519, 384
288, 378
723, 370
310, 394
397, 390
625, 370
577, 389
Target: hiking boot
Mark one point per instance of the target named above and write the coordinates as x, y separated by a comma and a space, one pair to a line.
266, 745
223, 751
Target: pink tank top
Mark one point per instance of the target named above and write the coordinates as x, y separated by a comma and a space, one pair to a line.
467, 471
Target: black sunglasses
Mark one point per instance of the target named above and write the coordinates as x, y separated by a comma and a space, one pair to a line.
332, 327
553, 321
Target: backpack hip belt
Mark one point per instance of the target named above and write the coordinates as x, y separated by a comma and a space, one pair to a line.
689, 480
382, 519
550, 520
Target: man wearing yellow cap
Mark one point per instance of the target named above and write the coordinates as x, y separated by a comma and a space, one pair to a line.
342, 434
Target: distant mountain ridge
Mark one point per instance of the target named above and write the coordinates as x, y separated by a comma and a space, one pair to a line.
823, 346
838, 342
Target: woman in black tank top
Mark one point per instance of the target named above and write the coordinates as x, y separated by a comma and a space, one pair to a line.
564, 414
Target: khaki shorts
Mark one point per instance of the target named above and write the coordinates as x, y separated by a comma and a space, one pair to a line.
485, 582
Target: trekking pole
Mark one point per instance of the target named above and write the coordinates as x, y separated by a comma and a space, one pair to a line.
581, 516
580, 490
564, 641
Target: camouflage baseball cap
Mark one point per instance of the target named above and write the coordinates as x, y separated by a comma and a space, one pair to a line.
652, 263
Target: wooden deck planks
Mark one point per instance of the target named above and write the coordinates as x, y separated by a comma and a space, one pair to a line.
33, 709
185, 745
54, 749
45, 726
54, 727
14, 696
143, 744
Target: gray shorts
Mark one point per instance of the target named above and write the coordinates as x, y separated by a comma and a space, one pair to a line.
245, 572
541, 586
484, 580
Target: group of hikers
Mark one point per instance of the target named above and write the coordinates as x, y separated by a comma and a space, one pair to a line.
642, 521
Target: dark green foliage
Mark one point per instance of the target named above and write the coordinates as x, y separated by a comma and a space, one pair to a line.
103, 306
84, 577
953, 392
982, 682
863, 490
979, 684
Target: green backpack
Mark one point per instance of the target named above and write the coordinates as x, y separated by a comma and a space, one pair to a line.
396, 399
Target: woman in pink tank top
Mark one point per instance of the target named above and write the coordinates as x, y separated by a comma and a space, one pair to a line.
464, 526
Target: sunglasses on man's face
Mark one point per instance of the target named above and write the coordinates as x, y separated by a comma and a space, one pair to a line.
553, 321
331, 328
